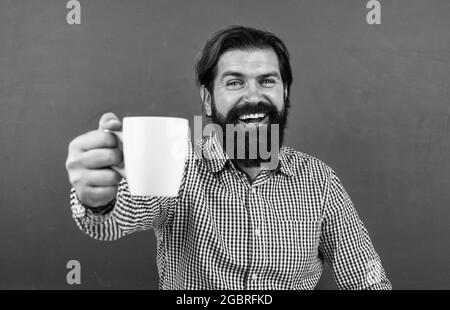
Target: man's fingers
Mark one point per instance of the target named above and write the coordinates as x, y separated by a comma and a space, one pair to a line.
99, 158
93, 140
102, 178
97, 196
109, 121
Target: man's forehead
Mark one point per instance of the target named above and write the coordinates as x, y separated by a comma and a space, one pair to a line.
257, 61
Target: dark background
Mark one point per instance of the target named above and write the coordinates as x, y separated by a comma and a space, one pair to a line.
372, 101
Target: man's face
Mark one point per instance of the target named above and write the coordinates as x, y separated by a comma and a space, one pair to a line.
248, 90
247, 82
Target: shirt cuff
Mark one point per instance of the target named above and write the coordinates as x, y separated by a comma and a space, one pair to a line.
88, 214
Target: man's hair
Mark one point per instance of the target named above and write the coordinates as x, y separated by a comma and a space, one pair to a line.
241, 38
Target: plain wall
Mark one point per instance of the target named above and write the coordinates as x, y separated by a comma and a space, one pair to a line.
372, 101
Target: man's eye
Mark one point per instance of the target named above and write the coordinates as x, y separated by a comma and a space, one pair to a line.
234, 84
268, 82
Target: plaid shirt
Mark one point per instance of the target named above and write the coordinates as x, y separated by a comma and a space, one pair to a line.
224, 232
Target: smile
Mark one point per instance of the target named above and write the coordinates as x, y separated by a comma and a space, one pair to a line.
254, 119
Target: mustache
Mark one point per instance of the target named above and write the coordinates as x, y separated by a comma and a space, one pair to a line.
261, 107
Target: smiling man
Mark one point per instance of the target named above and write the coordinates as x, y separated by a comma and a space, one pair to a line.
237, 222
248, 97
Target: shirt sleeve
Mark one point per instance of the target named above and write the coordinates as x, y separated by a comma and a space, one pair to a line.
129, 214
346, 245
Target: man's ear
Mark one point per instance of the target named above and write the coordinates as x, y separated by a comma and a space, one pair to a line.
285, 93
206, 100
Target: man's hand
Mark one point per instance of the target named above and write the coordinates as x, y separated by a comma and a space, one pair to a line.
89, 162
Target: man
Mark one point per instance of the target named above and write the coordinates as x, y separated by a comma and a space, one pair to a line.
236, 223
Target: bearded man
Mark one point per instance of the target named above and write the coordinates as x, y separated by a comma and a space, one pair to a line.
240, 220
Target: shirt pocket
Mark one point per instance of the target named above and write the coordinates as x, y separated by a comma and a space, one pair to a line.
295, 251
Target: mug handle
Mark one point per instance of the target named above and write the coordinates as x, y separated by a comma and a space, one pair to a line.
120, 168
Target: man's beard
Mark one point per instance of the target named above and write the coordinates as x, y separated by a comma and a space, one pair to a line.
275, 117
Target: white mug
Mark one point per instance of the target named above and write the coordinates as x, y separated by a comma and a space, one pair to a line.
155, 152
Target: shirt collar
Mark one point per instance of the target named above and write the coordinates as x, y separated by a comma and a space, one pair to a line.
215, 158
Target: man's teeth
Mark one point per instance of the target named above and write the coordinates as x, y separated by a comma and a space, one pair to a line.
250, 116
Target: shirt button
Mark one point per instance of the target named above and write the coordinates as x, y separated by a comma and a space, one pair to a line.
257, 232
253, 190
254, 277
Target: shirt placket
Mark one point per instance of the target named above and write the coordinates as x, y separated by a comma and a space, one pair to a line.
257, 237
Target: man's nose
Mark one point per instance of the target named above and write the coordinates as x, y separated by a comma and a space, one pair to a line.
253, 94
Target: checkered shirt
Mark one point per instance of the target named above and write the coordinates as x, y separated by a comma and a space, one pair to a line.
224, 232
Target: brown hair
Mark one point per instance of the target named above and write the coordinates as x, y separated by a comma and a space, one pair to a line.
243, 38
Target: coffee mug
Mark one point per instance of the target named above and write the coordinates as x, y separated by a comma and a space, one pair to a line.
154, 154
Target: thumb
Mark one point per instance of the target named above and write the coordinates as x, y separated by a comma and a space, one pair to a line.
109, 121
